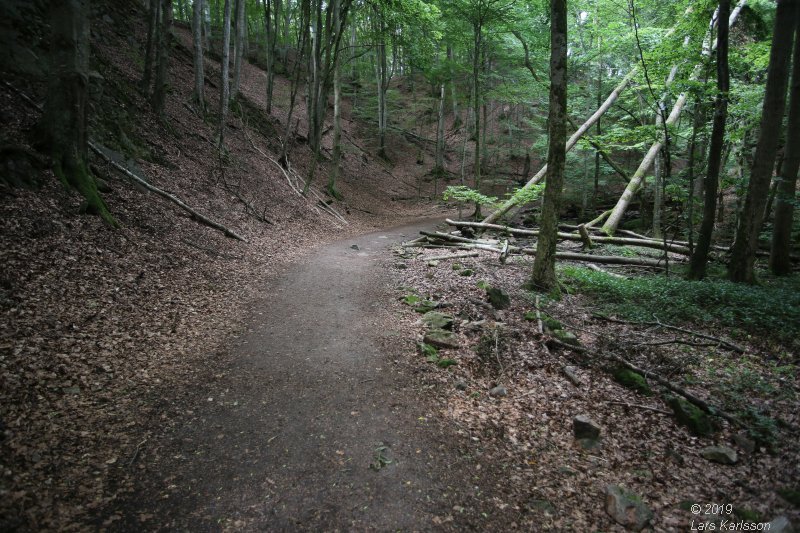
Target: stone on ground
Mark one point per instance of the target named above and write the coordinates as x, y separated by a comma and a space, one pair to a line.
719, 454
627, 508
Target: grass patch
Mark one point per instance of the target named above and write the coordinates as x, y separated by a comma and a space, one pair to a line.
771, 308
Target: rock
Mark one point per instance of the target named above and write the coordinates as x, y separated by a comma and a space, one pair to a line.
719, 454
551, 323
632, 380
541, 505
585, 428
691, 416
498, 298
627, 508
466, 272
354, 247
780, 525
437, 320
498, 392
457, 266
589, 444
566, 337
530, 316
745, 443
441, 338
572, 374
433, 263
400, 266
461, 385
425, 306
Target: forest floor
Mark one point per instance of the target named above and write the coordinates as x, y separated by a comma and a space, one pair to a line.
161, 376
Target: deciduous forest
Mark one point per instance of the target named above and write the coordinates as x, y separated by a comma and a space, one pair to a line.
399, 265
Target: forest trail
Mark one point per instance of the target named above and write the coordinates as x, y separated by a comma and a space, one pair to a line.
312, 425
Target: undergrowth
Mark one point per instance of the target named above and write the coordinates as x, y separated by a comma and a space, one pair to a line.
771, 308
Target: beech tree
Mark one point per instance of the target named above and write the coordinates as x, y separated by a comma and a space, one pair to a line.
544, 275
197, 47
225, 77
745, 245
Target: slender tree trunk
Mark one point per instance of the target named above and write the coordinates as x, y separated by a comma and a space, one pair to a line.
238, 47
439, 169
206, 25
544, 275
197, 46
453, 95
784, 201
150, 48
382, 80
162, 67
225, 77
476, 64
743, 252
697, 267
337, 132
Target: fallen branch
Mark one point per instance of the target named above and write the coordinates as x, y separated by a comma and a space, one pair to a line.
702, 404
453, 256
164, 194
637, 406
658, 323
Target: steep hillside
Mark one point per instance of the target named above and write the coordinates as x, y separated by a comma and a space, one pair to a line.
101, 325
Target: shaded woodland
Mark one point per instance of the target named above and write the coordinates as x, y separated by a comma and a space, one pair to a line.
615, 183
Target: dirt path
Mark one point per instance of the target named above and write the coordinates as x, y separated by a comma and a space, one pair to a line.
313, 425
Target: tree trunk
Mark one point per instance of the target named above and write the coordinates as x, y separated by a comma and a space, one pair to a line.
62, 130
382, 80
197, 45
238, 47
743, 254
439, 168
544, 275
225, 77
787, 182
476, 51
337, 132
697, 266
453, 95
162, 67
206, 24
154, 14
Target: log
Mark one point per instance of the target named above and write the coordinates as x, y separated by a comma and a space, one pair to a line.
164, 194
569, 256
587, 241
452, 256
621, 241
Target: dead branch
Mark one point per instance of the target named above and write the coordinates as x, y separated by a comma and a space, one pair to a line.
637, 406
177, 201
658, 323
453, 256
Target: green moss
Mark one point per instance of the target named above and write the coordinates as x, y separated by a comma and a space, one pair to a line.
632, 380
691, 416
530, 316
79, 179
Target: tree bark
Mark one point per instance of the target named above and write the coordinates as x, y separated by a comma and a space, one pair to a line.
779, 260
337, 132
154, 14
741, 266
162, 67
544, 275
238, 47
62, 131
197, 46
225, 75
697, 266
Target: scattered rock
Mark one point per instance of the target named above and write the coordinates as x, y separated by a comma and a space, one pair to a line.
461, 385
437, 320
541, 505
632, 380
400, 266
498, 392
627, 508
354, 247
566, 337
585, 428
498, 298
691, 416
441, 338
425, 306
572, 374
780, 525
466, 272
719, 454
550, 323
589, 444
457, 266
745, 443
433, 263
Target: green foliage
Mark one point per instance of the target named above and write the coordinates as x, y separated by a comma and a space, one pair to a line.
772, 308
461, 193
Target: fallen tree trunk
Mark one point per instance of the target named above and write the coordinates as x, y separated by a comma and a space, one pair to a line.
622, 241
164, 194
569, 256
